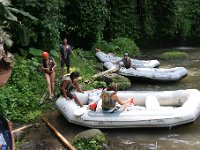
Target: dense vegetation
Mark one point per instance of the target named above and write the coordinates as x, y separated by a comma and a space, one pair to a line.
174, 55
147, 22
154, 22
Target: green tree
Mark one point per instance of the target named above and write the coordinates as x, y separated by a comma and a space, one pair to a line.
85, 21
123, 20
45, 33
165, 13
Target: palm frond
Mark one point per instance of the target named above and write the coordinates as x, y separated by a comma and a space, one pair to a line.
5, 2
6, 14
26, 14
5, 36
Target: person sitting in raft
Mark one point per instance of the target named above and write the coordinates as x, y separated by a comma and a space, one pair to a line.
68, 84
48, 66
126, 62
109, 98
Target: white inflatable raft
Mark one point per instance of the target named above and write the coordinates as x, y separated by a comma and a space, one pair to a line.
151, 74
103, 57
151, 109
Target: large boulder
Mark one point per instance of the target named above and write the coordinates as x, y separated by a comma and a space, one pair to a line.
91, 139
88, 134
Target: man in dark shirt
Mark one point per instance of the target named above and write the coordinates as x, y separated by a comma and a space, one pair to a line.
64, 53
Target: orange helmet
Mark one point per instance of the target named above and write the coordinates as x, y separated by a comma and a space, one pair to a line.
45, 55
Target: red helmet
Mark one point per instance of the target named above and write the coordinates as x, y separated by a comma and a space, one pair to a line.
45, 54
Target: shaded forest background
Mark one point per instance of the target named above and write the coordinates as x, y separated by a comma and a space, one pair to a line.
150, 23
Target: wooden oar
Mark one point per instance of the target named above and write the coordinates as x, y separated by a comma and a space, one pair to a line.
62, 138
22, 128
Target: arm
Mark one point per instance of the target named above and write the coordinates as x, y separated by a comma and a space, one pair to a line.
133, 66
121, 102
54, 63
43, 69
118, 99
76, 84
59, 54
118, 61
72, 52
65, 83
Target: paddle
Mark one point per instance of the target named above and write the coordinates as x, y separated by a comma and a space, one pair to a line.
80, 111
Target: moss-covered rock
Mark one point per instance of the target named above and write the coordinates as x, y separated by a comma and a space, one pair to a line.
92, 139
174, 55
88, 134
122, 82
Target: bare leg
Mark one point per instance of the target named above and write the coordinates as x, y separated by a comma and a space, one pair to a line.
77, 101
48, 83
52, 77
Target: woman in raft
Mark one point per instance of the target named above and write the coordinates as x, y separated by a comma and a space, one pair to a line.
109, 99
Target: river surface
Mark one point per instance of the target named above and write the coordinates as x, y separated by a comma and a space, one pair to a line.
185, 137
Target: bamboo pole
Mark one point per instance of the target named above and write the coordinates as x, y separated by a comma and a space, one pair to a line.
105, 72
22, 128
62, 138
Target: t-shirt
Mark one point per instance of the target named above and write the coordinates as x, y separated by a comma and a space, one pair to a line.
65, 52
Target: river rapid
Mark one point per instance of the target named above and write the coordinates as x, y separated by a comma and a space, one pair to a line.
185, 137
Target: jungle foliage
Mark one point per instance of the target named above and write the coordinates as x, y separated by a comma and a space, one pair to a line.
85, 22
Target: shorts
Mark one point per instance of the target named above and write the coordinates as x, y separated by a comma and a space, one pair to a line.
65, 61
111, 110
115, 109
69, 94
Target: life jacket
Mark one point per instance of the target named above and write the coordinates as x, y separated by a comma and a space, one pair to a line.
65, 52
70, 86
127, 63
50, 63
107, 102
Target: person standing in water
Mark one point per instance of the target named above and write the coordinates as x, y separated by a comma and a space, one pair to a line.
48, 67
64, 53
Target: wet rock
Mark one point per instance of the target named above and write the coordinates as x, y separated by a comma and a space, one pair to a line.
19, 135
88, 134
37, 124
40, 145
106, 146
28, 146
